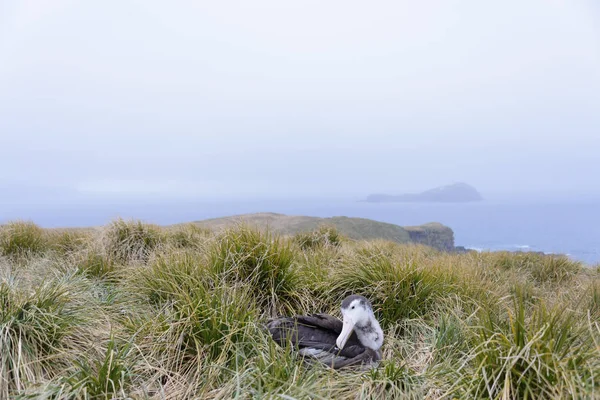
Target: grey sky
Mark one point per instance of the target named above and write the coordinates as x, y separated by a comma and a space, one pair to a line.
221, 98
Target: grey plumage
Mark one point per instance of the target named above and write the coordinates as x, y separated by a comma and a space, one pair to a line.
363, 301
314, 336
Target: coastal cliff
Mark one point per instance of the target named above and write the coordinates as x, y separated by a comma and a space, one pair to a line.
432, 234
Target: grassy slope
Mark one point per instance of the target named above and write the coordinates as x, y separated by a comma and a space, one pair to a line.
148, 312
355, 228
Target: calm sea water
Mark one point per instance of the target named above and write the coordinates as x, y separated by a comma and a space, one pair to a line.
568, 228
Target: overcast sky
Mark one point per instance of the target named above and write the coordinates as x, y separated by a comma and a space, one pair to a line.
272, 98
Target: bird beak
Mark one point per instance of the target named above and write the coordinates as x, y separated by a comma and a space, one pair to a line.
347, 329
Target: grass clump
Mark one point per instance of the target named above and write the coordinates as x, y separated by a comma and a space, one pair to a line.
531, 353
394, 380
450, 337
264, 263
106, 377
555, 269
399, 287
93, 263
67, 242
170, 275
593, 304
20, 239
211, 321
127, 241
188, 236
204, 311
33, 327
542, 268
321, 237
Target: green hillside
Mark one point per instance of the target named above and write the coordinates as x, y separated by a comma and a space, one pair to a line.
434, 234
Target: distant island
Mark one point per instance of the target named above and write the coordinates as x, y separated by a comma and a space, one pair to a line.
455, 193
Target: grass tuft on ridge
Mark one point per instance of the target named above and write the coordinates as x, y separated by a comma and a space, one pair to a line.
20, 239
399, 284
542, 268
321, 237
264, 263
127, 241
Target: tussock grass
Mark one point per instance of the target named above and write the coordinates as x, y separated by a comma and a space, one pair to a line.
531, 352
127, 241
200, 308
394, 380
593, 304
103, 376
400, 283
138, 311
34, 327
262, 262
170, 274
323, 236
106, 377
67, 242
211, 322
20, 239
189, 236
94, 263
542, 268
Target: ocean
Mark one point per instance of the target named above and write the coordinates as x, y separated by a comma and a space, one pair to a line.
553, 227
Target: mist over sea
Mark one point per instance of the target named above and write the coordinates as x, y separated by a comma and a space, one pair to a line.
571, 228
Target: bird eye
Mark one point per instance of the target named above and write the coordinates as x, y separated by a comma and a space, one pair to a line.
353, 307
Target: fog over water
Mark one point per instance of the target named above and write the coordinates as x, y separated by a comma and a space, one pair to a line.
185, 110
280, 99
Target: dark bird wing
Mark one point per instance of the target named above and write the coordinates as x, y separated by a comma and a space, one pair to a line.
315, 335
